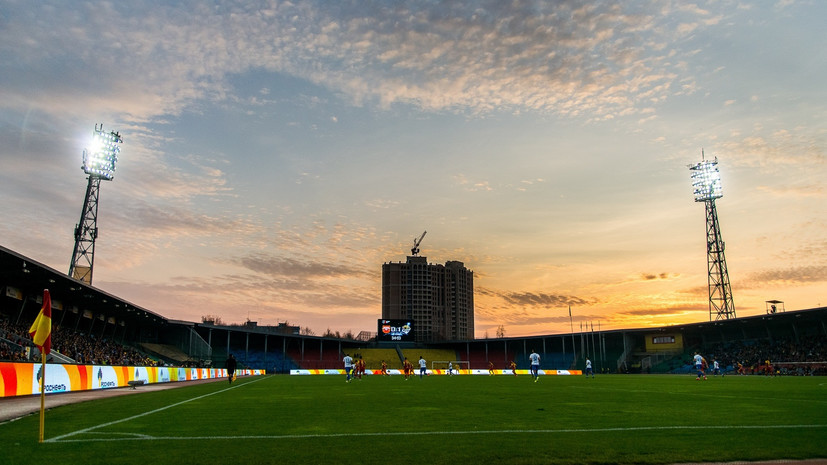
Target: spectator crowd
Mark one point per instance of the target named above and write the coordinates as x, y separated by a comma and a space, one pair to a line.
80, 347
806, 357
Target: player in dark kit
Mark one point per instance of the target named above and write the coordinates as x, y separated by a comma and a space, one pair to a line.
407, 368
231, 366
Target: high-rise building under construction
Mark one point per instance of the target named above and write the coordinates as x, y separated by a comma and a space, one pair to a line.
437, 299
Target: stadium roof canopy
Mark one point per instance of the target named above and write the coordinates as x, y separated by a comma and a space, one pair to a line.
25, 277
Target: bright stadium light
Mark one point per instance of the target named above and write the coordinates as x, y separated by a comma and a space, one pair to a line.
99, 163
706, 180
99, 160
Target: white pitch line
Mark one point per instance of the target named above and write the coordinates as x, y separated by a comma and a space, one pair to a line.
92, 428
427, 433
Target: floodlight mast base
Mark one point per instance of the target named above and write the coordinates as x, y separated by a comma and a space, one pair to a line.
86, 231
721, 305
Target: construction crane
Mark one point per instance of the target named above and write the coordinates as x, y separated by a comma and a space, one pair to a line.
415, 248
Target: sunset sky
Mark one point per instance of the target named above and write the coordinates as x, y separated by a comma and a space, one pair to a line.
276, 154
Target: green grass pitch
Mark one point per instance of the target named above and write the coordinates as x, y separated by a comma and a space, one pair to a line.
438, 420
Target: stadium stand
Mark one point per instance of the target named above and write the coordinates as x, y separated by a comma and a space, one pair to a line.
272, 361
74, 346
429, 355
327, 359
479, 358
166, 351
373, 357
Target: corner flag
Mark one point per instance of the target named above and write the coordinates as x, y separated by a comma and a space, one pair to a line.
41, 330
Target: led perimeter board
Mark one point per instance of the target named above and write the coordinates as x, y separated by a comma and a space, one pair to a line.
395, 330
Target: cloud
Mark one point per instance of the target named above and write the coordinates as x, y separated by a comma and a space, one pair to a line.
237, 296
770, 150
794, 275
535, 299
661, 311
658, 276
295, 269
571, 57
381, 204
805, 190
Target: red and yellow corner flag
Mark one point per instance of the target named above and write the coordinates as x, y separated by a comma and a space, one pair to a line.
41, 330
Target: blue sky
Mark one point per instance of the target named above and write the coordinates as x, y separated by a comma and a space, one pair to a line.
276, 154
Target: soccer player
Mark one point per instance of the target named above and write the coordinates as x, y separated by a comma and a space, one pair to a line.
450, 369
700, 363
423, 367
348, 361
513, 367
589, 368
716, 368
490, 368
385, 368
535, 365
407, 368
231, 366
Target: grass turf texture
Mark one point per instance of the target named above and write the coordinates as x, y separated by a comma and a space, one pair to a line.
438, 420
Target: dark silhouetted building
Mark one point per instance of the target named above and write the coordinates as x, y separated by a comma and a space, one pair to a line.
438, 299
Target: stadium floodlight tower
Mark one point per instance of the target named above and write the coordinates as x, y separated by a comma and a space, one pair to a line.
706, 181
99, 163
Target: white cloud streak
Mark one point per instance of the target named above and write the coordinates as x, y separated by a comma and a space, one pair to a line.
569, 57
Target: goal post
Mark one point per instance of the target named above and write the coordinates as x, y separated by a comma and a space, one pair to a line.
458, 367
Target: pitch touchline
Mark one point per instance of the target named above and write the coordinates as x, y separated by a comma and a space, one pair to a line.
92, 428
416, 433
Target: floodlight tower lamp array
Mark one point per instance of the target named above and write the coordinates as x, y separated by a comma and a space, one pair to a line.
100, 159
706, 180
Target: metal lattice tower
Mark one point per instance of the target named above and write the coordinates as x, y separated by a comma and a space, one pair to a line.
86, 231
707, 187
99, 163
721, 304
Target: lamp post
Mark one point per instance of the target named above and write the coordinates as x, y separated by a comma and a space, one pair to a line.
99, 163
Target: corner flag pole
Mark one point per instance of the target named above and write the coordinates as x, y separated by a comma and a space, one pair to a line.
42, 396
41, 333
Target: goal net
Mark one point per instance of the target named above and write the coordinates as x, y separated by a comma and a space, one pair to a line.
457, 367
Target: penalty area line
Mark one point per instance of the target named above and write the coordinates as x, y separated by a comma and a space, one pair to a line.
425, 433
161, 409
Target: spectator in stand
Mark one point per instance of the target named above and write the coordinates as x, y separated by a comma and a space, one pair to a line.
81, 348
795, 358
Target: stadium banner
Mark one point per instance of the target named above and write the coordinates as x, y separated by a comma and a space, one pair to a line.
332, 371
23, 379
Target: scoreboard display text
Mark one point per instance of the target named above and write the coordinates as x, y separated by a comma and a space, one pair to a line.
395, 330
